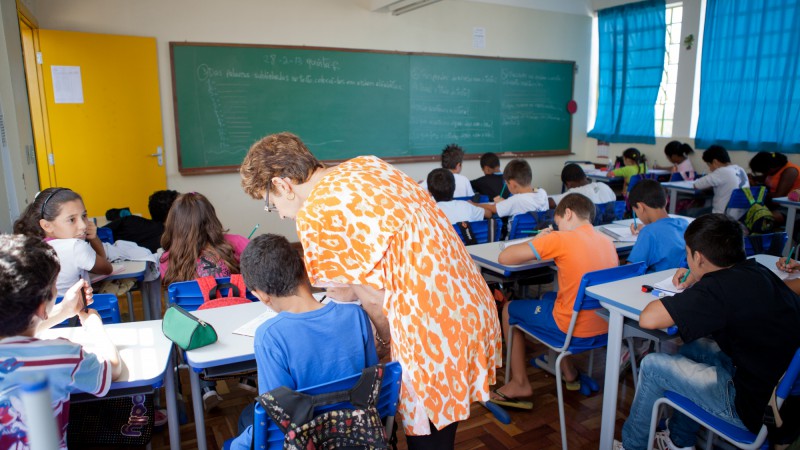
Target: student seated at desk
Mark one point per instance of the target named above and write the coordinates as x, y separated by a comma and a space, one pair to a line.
441, 185
574, 178
145, 232
307, 343
491, 184
635, 164
739, 325
518, 176
678, 154
660, 243
28, 271
725, 177
779, 175
58, 216
577, 248
452, 159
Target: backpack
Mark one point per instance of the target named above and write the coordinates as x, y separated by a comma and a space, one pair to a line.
758, 219
210, 291
467, 235
352, 428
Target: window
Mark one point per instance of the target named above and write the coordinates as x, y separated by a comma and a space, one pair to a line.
665, 104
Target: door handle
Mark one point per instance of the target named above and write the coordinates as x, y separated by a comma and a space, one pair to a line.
160, 155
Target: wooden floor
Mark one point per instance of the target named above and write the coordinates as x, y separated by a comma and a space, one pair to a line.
535, 429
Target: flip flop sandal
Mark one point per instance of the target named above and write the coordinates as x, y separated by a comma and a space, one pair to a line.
505, 400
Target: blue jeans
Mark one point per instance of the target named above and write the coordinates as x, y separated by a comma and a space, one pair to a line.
700, 372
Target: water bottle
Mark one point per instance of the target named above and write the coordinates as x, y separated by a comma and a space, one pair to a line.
42, 431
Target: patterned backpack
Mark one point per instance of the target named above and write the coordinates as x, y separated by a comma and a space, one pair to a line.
358, 428
211, 292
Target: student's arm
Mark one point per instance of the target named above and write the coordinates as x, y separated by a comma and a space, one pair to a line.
70, 305
524, 251
706, 182
104, 348
101, 264
491, 208
792, 267
655, 316
785, 183
679, 274
551, 203
794, 285
487, 214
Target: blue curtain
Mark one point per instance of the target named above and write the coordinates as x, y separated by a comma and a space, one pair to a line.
750, 76
632, 48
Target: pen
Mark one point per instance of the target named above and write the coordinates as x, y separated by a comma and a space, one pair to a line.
686, 275
634, 220
254, 230
323, 298
502, 191
791, 252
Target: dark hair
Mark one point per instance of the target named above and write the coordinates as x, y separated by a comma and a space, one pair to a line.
452, 156
677, 148
271, 265
762, 162
442, 184
579, 204
159, 204
718, 237
717, 152
649, 192
46, 205
490, 160
28, 271
520, 171
636, 155
277, 155
572, 172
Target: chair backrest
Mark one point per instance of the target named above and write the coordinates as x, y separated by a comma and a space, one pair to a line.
105, 235
187, 295
482, 231
477, 198
677, 176
584, 302
267, 435
739, 200
606, 213
106, 305
523, 225
770, 244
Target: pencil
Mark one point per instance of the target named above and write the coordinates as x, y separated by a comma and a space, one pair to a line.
686, 275
634, 220
788, 258
502, 191
254, 230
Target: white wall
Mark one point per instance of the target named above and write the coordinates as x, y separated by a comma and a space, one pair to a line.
444, 27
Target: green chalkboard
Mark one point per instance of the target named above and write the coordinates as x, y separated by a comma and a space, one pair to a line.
344, 103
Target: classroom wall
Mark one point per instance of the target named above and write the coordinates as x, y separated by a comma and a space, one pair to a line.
444, 27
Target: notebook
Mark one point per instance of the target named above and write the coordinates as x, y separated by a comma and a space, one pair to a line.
618, 233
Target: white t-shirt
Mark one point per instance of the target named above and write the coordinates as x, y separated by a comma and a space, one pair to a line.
686, 169
523, 203
461, 211
463, 186
76, 257
598, 193
724, 180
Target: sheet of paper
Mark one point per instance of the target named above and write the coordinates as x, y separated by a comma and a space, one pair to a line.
67, 85
249, 329
667, 286
619, 234
478, 37
115, 269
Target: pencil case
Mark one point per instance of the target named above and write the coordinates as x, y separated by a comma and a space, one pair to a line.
186, 330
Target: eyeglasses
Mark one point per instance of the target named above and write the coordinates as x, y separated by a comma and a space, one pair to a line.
267, 206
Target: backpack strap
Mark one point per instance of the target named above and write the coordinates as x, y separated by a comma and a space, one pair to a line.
466, 231
238, 281
207, 284
749, 195
761, 193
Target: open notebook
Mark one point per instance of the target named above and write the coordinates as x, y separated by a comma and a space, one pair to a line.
249, 328
619, 233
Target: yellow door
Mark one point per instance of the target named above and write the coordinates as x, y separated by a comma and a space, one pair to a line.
104, 117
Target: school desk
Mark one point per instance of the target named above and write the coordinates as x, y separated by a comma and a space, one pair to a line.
232, 353
686, 187
791, 216
628, 222
622, 299
147, 357
602, 175
151, 290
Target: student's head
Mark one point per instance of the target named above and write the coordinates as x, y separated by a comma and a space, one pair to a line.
273, 160
55, 213
714, 238
716, 156
193, 230
159, 204
573, 211
648, 193
633, 157
573, 176
490, 163
442, 184
452, 157
517, 174
28, 271
271, 267
768, 163
677, 151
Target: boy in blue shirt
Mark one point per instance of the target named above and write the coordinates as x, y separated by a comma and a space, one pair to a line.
660, 243
307, 343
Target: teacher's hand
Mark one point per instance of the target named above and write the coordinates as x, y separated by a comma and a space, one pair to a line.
342, 294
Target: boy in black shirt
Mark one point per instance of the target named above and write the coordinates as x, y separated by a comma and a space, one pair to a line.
750, 314
491, 183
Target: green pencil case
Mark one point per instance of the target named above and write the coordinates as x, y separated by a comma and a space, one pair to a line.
186, 330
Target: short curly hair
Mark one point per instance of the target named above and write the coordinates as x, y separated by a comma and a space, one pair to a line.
28, 271
452, 156
277, 155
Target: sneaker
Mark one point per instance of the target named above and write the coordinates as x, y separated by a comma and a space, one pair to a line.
160, 417
617, 445
210, 398
663, 442
248, 383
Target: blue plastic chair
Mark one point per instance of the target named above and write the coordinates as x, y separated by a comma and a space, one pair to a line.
487, 230
187, 295
107, 305
267, 435
678, 177
739, 201
523, 225
770, 244
742, 438
105, 235
474, 198
564, 346
606, 213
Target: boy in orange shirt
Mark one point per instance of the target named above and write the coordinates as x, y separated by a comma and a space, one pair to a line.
577, 249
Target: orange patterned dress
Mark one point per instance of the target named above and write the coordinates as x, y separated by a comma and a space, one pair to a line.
367, 223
